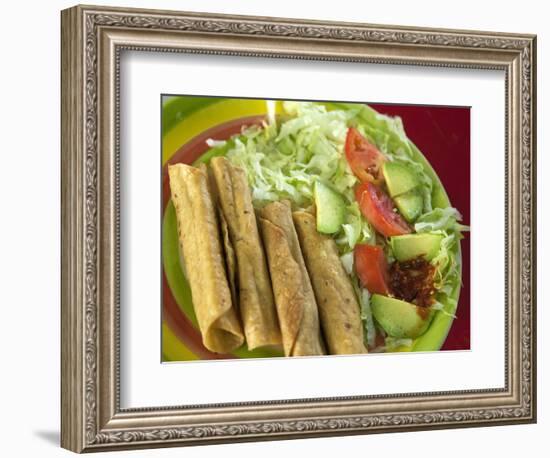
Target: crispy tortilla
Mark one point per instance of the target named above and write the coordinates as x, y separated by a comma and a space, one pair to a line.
230, 259
294, 297
338, 306
199, 238
227, 246
256, 302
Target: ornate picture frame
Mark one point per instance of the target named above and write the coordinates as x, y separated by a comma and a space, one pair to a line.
93, 39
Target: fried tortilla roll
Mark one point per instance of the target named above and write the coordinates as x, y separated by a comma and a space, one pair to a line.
256, 303
338, 306
227, 246
199, 238
296, 306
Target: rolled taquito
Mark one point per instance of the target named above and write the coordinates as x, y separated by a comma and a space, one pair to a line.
256, 302
230, 259
227, 246
294, 297
338, 306
199, 238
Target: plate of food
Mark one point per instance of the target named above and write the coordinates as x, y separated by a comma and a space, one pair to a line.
299, 228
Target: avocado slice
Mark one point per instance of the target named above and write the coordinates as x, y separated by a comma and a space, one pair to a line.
410, 246
410, 205
331, 208
399, 318
399, 178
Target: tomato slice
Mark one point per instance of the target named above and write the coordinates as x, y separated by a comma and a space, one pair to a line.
363, 157
378, 208
372, 268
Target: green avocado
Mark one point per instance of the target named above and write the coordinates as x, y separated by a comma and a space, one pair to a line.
410, 246
410, 205
331, 208
399, 318
399, 178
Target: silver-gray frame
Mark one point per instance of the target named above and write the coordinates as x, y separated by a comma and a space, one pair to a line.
92, 41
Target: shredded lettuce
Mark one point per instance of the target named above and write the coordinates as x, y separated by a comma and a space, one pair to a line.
445, 222
355, 230
347, 262
284, 161
443, 219
366, 313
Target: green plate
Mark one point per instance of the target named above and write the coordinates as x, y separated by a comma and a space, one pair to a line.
185, 118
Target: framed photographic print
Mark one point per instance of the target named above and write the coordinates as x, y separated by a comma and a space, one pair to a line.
276, 228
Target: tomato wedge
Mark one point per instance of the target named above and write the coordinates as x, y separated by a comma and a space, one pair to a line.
378, 208
372, 268
363, 157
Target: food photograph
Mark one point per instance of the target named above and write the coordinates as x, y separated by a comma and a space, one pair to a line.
295, 228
